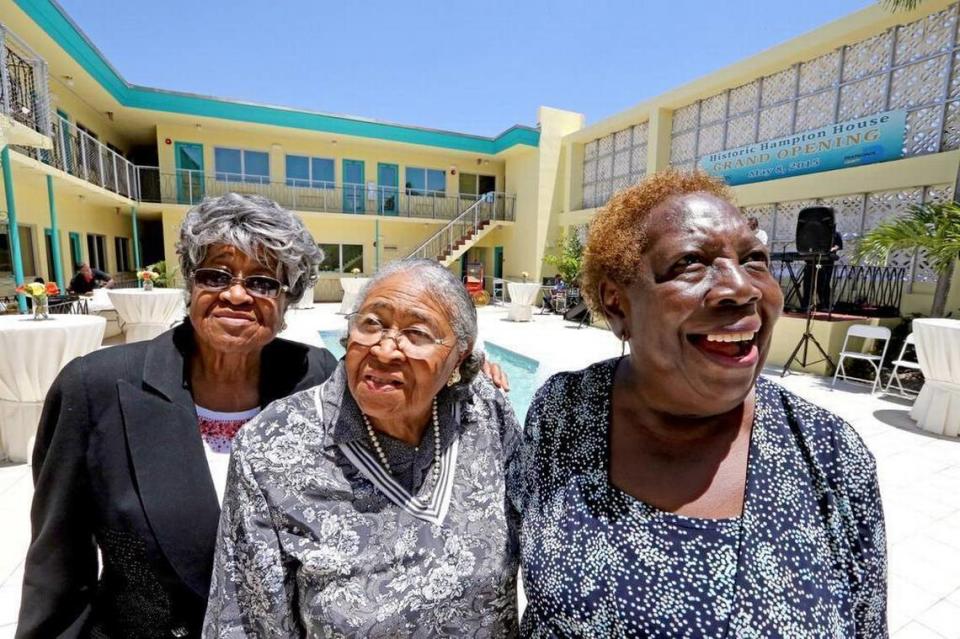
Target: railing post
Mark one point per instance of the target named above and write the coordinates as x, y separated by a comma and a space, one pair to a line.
103, 181
190, 183
116, 176
83, 155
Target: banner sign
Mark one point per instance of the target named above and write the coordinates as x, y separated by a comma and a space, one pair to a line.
874, 138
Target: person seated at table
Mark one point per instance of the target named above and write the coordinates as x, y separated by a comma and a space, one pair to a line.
673, 492
86, 279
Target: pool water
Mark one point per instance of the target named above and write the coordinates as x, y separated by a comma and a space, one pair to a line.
331, 341
522, 373
520, 370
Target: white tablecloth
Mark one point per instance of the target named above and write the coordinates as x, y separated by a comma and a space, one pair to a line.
33, 353
98, 301
937, 408
351, 288
306, 301
522, 297
146, 314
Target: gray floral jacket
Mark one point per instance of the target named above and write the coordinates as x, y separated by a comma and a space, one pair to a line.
317, 540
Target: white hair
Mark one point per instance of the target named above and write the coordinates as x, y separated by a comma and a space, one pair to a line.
259, 227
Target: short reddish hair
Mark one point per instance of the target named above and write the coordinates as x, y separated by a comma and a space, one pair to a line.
618, 234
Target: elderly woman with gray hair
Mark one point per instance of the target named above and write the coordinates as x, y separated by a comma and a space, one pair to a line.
132, 450
374, 504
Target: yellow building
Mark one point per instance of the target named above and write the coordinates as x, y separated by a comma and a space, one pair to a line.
116, 166
787, 101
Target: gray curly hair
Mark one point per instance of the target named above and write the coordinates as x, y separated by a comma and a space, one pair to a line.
444, 287
259, 227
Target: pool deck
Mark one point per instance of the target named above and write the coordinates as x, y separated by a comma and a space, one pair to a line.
919, 473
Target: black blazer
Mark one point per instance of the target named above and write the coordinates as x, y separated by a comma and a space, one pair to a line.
119, 465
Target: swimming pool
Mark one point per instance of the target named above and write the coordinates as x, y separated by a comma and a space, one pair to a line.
331, 341
520, 370
522, 373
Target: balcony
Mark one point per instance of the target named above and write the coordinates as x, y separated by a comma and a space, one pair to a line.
79, 154
24, 95
190, 187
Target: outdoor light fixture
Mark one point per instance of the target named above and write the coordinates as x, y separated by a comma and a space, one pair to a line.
68, 79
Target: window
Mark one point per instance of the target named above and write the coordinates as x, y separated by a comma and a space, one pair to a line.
241, 165
122, 246
51, 264
473, 185
88, 131
97, 251
341, 258
27, 257
312, 172
426, 181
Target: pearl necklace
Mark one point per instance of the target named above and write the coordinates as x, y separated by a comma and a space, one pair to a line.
383, 457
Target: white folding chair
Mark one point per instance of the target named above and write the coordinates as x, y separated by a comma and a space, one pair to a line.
876, 333
902, 362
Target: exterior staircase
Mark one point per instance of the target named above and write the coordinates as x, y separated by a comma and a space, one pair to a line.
460, 234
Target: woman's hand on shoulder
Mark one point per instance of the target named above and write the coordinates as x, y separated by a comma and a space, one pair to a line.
496, 375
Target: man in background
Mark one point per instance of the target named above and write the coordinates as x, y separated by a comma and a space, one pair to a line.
88, 279
755, 227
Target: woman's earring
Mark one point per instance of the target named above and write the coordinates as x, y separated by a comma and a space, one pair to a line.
454, 377
623, 344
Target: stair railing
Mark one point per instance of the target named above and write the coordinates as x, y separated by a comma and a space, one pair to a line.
460, 227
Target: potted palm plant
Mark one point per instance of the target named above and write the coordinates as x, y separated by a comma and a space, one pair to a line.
933, 227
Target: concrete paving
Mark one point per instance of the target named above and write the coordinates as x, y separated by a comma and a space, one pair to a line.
919, 473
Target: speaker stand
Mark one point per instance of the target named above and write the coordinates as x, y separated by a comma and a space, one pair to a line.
808, 337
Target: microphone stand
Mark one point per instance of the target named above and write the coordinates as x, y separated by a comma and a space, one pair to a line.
807, 333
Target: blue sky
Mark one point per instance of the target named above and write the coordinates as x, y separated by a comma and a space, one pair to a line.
476, 67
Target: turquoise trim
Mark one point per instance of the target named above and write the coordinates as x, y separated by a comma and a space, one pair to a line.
13, 229
190, 180
55, 236
76, 251
52, 19
136, 238
387, 204
354, 193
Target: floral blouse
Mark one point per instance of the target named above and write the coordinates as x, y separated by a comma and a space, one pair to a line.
807, 557
317, 540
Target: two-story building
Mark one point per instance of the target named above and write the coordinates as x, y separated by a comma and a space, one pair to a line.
862, 115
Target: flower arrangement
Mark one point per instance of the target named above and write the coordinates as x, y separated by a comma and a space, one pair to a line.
525, 276
148, 278
355, 271
39, 293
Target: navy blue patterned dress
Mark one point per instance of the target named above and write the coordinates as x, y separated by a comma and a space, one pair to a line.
807, 558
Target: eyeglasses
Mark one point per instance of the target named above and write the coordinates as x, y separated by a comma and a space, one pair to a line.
366, 329
214, 279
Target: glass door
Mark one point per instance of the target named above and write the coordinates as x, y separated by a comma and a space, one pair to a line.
189, 158
353, 196
388, 180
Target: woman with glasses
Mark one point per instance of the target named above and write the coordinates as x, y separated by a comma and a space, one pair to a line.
132, 451
374, 504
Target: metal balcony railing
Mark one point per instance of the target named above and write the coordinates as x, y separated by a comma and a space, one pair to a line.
80, 154
190, 187
24, 92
